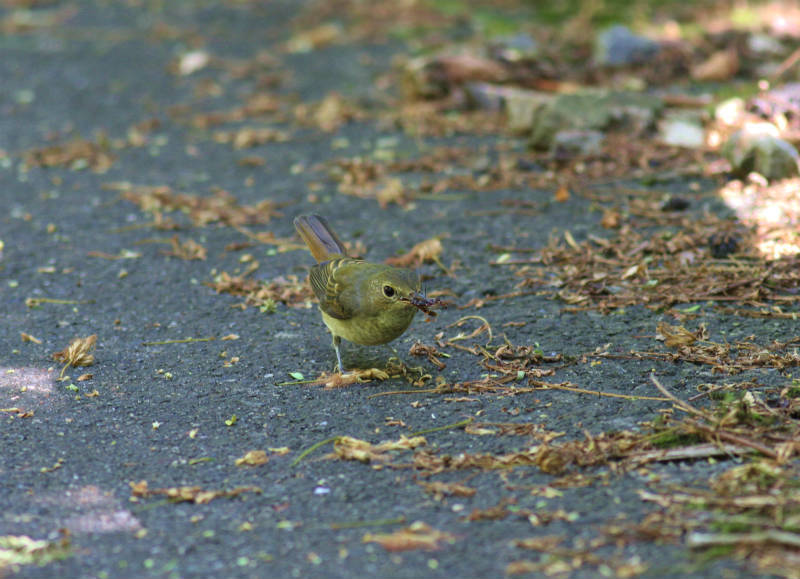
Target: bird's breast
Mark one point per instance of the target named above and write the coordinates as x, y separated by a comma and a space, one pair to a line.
370, 330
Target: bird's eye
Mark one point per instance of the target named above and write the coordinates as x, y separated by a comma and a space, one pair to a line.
388, 291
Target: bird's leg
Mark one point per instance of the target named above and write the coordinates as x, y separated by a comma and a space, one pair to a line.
336, 341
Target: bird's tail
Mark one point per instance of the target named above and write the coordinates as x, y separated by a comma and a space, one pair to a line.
321, 240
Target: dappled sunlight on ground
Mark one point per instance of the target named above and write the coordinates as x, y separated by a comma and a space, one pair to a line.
772, 210
17, 381
89, 509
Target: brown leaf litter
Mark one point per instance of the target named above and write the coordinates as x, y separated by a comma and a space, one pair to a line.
671, 264
190, 494
288, 290
219, 207
75, 154
416, 536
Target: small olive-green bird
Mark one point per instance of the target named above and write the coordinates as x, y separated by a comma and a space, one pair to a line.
366, 303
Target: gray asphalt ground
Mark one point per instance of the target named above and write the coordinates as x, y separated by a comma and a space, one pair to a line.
163, 413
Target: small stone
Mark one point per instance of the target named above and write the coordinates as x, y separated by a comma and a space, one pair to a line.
596, 110
514, 48
618, 46
576, 143
723, 244
523, 107
486, 96
682, 131
435, 77
675, 203
720, 66
757, 148
764, 44
730, 111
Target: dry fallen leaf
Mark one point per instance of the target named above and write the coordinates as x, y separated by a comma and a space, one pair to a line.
219, 207
439, 489
423, 252
349, 448
721, 65
418, 535
314, 38
289, 290
248, 137
188, 250
193, 494
393, 191
75, 154
434, 77
337, 380
497, 512
430, 352
328, 114
675, 336
562, 194
191, 62
611, 219
545, 543
253, 458
78, 353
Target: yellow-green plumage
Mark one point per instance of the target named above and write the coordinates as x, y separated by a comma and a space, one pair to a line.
362, 302
353, 301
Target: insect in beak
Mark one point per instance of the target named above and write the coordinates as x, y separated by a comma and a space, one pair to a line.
423, 303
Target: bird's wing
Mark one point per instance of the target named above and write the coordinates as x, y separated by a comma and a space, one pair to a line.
331, 289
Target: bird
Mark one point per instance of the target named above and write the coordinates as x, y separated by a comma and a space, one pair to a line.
361, 302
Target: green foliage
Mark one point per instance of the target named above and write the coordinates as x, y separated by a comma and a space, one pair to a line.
603, 13
672, 438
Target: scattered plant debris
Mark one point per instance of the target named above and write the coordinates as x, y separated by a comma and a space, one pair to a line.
76, 154
288, 290
78, 353
416, 536
190, 494
188, 250
18, 550
220, 207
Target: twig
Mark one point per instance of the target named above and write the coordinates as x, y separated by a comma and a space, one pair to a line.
516, 261
293, 382
181, 341
461, 424
700, 540
736, 439
375, 523
723, 434
393, 392
548, 386
312, 448
512, 249
33, 302
461, 336
788, 63
709, 391
685, 406
514, 294
689, 452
